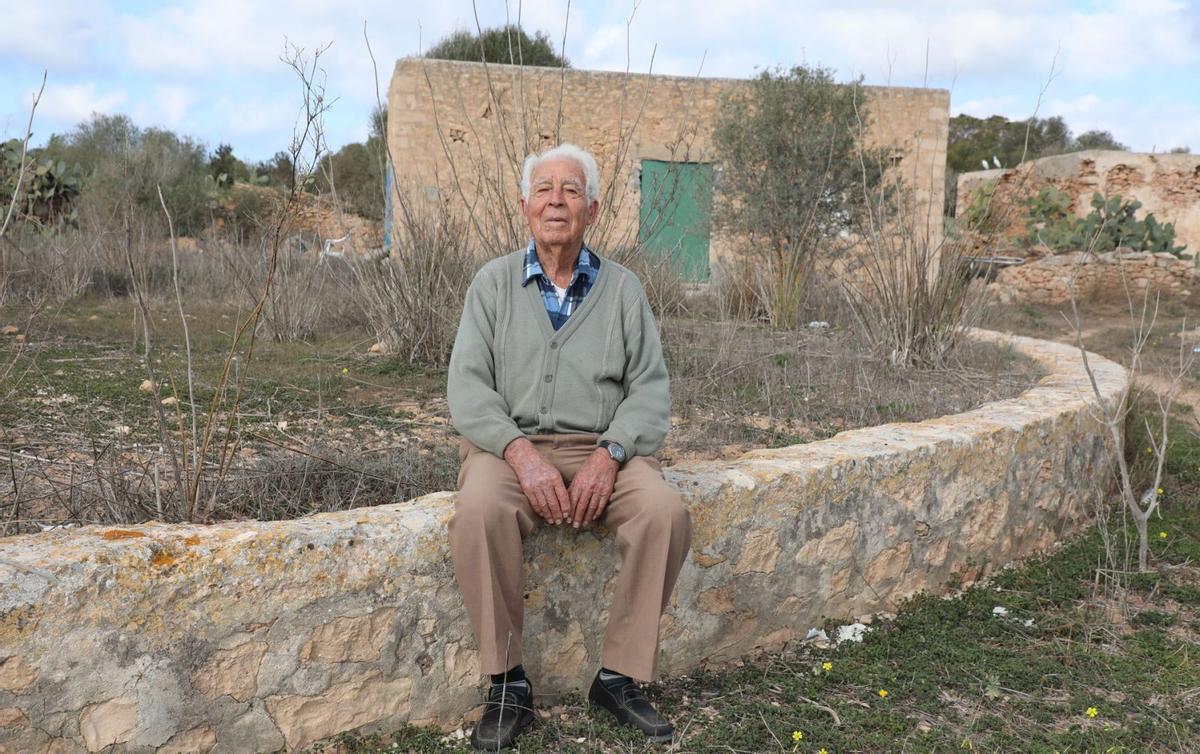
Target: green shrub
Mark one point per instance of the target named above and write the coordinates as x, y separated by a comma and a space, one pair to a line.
1111, 224
48, 187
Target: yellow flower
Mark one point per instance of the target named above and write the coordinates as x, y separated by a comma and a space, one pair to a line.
1162, 535
1148, 451
797, 736
883, 693
827, 666
345, 370
823, 750
1159, 491
1092, 712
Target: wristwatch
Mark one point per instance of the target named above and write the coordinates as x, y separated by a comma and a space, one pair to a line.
615, 451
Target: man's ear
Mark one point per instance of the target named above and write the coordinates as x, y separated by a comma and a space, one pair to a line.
593, 211
522, 205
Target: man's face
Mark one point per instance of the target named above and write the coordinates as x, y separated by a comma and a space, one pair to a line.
558, 210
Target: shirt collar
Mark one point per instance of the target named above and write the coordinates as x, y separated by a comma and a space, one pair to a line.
588, 265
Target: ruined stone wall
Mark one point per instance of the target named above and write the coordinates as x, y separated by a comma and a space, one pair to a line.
1109, 276
256, 636
487, 118
1167, 185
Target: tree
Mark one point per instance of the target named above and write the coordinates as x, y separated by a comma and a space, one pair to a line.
278, 170
357, 174
791, 178
1096, 139
975, 141
123, 167
505, 44
226, 168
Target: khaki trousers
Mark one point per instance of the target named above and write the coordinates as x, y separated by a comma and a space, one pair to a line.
492, 517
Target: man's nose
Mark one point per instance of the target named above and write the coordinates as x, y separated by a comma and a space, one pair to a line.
558, 195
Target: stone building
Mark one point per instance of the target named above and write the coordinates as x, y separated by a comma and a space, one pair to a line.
459, 132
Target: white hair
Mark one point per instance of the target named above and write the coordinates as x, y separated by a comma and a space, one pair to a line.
591, 173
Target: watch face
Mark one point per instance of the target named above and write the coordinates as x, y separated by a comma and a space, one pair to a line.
617, 452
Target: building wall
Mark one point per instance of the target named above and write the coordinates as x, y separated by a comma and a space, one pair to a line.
256, 636
445, 122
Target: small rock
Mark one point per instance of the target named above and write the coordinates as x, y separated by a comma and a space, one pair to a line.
169, 401
20, 338
377, 348
147, 386
8, 330
93, 318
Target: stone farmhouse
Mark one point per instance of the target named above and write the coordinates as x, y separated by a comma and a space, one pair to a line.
459, 131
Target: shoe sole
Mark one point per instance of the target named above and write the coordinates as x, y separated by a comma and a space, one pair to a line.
662, 738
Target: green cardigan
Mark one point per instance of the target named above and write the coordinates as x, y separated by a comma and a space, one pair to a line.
603, 372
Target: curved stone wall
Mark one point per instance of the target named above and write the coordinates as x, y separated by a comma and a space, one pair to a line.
254, 636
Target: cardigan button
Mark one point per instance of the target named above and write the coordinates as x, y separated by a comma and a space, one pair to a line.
549, 377
553, 344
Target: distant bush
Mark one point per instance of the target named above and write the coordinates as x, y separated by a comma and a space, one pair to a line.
1111, 224
124, 166
505, 44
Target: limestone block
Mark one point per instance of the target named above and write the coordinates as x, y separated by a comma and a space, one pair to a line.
231, 671
254, 731
16, 674
198, 740
718, 600
888, 565
358, 638
460, 664
108, 723
10, 716
759, 552
838, 545
345, 706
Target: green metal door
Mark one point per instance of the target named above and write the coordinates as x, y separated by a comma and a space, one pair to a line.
676, 202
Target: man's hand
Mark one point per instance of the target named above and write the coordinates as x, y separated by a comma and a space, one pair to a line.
539, 480
592, 487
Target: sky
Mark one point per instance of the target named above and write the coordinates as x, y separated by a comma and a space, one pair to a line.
212, 69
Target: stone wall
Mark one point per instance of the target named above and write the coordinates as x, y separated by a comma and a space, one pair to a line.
1108, 276
1167, 185
256, 636
488, 117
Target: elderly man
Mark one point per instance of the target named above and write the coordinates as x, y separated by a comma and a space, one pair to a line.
558, 387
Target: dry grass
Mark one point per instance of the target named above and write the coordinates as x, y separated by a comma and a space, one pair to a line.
323, 425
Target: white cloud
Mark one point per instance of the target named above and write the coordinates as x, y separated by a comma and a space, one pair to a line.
60, 36
167, 106
73, 103
1144, 126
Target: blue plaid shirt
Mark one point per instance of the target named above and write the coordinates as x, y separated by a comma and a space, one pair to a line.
586, 269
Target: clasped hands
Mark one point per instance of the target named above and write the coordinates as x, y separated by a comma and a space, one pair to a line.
582, 503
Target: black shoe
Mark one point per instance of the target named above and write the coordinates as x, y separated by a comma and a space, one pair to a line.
509, 711
631, 707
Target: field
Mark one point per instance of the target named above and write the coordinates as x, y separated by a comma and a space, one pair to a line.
323, 424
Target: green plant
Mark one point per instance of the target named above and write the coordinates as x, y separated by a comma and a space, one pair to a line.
979, 210
48, 189
1111, 224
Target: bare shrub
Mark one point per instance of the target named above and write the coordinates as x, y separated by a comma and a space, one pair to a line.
412, 297
909, 290
321, 479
